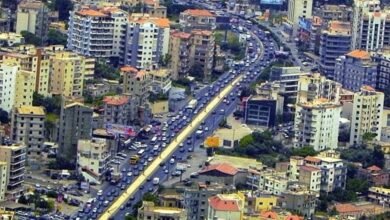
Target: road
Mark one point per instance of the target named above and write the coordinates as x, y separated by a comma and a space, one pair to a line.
167, 152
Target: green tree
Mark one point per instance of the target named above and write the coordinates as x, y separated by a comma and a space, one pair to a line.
304, 151
196, 71
4, 119
368, 136
56, 37
246, 141
165, 60
23, 200
51, 104
63, 7
30, 38
104, 70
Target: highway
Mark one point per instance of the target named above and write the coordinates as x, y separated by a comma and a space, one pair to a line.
167, 152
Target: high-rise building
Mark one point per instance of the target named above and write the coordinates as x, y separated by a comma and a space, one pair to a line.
382, 58
335, 41
288, 78
33, 16
28, 127
96, 32
355, 70
67, 78
329, 12
24, 88
8, 71
298, 9
317, 124
75, 124
366, 123
15, 158
147, 41
191, 19
3, 180
314, 86
117, 110
202, 51
93, 159
179, 49
374, 30
136, 82
360, 8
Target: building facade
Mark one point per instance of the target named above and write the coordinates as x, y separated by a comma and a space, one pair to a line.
367, 115
117, 110
28, 127
149, 210
355, 70
226, 206
288, 78
202, 51
335, 41
297, 9
374, 29
191, 19
3, 180
179, 49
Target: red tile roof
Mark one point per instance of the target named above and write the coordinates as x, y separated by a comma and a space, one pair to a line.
359, 54
182, 35
346, 208
269, 215
202, 32
293, 217
373, 168
368, 88
116, 100
198, 12
223, 204
309, 168
312, 159
128, 69
222, 167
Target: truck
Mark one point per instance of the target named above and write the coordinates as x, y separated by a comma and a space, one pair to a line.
115, 177
156, 181
192, 104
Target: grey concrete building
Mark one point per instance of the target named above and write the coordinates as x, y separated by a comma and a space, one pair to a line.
298, 199
288, 78
382, 58
75, 124
335, 41
356, 69
197, 19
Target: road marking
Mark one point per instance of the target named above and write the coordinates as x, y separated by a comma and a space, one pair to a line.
153, 167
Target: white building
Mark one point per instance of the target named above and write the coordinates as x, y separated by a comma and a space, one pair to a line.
9, 39
96, 32
8, 74
315, 86
273, 182
3, 180
92, 158
317, 124
360, 7
366, 115
147, 41
288, 78
161, 80
297, 9
374, 29
333, 172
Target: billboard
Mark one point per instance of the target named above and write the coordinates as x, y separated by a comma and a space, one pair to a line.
271, 2
117, 129
212, 142
305, 24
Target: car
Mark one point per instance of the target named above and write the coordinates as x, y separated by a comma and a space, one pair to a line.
129, 174
190, 149
150, 159
148, 179
166, 171
100, 193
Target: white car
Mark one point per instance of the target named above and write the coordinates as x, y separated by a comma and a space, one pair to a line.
129, 174
150, 159
100, 193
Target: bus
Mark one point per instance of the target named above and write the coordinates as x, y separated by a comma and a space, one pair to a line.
134, 159
192, 104
140, 152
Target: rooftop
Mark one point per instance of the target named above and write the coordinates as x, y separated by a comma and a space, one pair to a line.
312, 159
181, 35
224, 204
198, 12
367, 88
222, 167
30, 110
90, 12
373, 168
339, 27
31, 4
202, 32
309, 168
116, 100
359, 54
159, 22
237, 162
343, 208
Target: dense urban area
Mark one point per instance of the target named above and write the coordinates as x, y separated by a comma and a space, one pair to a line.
195, 110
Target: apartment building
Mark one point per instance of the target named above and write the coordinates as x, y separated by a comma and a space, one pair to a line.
298, 9
202, 51
28, 127
333, 172
147, 41
335, 41
149, 210
3, 180
360, 8
261, 110
299, 199
273, 182
9, 39
117, 110
226, 206
7, 95
96, 32
367, 115
382, 58
316, 124
288, 78
375, 29
136, 82
309, 32
75, 124
24, 88
355, 70
15, 157
160, 80
329, 12
93, 159
191, 19
33, 16
311, 177
316, 86
196, 199
67, 78
379, 195
179, 49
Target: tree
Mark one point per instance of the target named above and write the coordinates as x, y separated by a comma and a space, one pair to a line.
368, 136
63, 7
4, 119
23, 200
56, 37
246, 141
51, 104
30, 38
196, 71
304, 151
165, 60
104, 70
